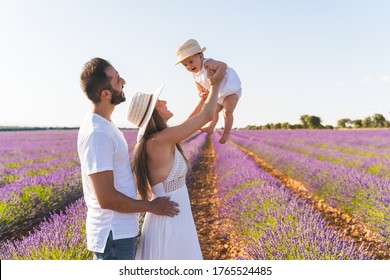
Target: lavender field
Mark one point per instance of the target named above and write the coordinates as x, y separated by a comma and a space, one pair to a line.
42, 211
348, 169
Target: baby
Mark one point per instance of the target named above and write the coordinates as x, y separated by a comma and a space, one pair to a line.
190, 55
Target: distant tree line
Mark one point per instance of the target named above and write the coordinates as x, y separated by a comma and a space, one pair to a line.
314, 122
376, 121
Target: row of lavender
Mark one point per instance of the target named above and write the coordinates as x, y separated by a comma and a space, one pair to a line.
62, 235
265, 216
348, 187
367, 150
39, 174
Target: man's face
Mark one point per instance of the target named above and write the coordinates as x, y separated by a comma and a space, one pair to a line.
117, 84
117, 97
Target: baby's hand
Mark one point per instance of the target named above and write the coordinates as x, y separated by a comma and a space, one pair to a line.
203, 92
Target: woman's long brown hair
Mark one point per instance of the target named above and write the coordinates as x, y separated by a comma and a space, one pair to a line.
139, 162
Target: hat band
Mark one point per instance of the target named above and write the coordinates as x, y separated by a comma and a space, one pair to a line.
146, 112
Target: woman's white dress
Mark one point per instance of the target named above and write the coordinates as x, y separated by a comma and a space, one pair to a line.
171, 238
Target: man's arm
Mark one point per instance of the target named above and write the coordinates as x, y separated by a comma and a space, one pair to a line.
109, 198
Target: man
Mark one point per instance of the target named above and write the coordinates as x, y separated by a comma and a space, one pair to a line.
108, 182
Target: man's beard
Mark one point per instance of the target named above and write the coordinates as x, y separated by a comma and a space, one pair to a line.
117, 97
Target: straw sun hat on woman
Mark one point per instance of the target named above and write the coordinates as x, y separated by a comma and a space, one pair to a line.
141, 109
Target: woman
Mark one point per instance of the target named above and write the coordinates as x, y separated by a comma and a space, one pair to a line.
160, 168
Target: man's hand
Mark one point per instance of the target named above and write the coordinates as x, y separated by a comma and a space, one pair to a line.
164, 207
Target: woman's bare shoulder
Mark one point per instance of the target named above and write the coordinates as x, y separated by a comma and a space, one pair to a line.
157, 143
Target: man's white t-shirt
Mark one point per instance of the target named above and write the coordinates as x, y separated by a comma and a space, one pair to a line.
101, 147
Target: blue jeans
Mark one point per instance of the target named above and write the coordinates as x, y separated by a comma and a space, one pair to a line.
120, 249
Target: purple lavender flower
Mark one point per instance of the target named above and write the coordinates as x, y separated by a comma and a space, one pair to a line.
351, 189
268, 218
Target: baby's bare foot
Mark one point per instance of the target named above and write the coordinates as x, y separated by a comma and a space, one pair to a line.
224, 138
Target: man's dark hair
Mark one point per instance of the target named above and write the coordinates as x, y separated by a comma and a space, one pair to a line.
93, 78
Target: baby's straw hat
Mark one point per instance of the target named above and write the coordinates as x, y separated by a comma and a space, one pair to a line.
141, 109
187, 49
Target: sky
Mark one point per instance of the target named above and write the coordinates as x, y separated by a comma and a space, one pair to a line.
327, 58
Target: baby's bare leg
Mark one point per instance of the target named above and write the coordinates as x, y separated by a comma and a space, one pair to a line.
229, 104
211, 125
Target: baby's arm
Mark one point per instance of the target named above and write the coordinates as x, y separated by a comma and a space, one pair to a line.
218, 67
203, 92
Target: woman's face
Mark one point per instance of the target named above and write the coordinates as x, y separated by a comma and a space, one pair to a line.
162, 109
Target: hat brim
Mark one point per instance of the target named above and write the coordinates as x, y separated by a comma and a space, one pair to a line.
149, 113
182, 58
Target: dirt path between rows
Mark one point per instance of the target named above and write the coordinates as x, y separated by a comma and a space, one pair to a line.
213, 231
339, 221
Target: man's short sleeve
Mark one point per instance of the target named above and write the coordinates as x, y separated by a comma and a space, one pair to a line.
98, 153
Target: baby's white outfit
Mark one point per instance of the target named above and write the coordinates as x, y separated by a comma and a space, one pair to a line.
230, 84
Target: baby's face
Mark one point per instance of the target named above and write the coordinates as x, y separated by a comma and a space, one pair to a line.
193, 63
